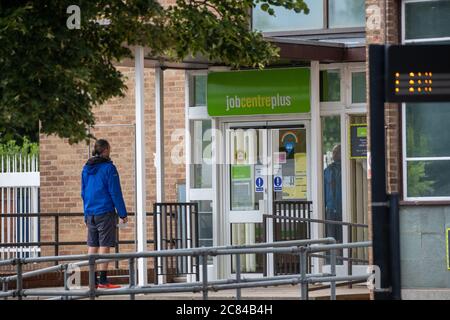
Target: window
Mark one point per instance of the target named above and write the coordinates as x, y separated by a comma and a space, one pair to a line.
205, 223
201, 168
426, 156
358, 87
427, 150
288, 20
330, 85
199, 90
346, 14
332, 176
340, 13
199, 175
425, 20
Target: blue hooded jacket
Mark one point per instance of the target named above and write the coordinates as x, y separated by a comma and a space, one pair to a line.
100, 188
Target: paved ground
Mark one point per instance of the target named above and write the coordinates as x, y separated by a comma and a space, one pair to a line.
268, 293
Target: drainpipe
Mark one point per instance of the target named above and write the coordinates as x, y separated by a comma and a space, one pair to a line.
395, 245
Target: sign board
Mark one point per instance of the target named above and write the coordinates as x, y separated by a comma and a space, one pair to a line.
417, 73
259, 184
240, 172
277, 183
358, 141
253, 92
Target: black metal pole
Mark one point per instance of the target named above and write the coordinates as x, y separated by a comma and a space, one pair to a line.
395, 245
379, 203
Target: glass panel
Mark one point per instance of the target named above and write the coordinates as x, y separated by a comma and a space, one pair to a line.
289, 20
247, 233
346, 13
330, 85
427, 133
290, 179
427, 19
428, 178
246, 164
201, 168
200, 83
358, 87
332, 182
205, 223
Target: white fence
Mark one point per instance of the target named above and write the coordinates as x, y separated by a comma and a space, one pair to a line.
19, 194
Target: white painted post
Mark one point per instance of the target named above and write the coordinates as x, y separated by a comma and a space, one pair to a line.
316, 152
141, 221
159, 161
159, 115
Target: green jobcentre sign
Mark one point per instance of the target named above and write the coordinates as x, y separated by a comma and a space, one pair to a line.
258, 92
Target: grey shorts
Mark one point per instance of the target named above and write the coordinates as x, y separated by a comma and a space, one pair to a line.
102, 230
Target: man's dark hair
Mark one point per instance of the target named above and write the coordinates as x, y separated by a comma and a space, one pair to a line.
100, 146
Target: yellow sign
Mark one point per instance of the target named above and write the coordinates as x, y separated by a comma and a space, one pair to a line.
295, 187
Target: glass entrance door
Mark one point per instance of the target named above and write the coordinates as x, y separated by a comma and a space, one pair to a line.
264, 164
247, 176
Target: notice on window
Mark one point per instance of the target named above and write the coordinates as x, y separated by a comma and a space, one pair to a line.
295, 187
240, 172
358, 141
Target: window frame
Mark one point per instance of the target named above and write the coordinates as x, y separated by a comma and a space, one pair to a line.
344, 110
403, 25
406, 159
404, 165
197, 113
355, 69
324, 30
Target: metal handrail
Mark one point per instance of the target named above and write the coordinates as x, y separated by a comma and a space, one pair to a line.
342, 223
350, 226
56, 231
297, 247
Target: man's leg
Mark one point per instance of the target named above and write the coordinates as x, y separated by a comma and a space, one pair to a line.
92, 250
103, 267
107, 237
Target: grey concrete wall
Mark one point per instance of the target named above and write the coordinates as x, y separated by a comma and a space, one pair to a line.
423, 246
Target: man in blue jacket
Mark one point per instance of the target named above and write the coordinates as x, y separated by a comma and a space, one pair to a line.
102, 196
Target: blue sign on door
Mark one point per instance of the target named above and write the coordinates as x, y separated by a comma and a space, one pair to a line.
277, 184
259, 182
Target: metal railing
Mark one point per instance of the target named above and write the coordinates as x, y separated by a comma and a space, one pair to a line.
175, 227
308, 221
56, 233
296, 222
285, 227
300, 248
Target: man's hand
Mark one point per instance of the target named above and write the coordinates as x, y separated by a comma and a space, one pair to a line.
124, 220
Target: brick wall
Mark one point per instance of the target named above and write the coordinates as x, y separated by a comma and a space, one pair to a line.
385, 29
61, 163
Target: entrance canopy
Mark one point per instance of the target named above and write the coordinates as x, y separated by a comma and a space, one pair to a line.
293, 50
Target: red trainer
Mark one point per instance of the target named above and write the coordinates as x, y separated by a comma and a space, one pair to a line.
108, 286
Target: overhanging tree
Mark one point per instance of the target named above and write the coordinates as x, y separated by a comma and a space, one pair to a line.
54, 75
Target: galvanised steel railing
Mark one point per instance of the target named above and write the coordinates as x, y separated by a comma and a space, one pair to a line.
301, 248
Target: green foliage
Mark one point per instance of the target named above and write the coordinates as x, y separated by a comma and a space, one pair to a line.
11, 148
52, 77
418, 185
